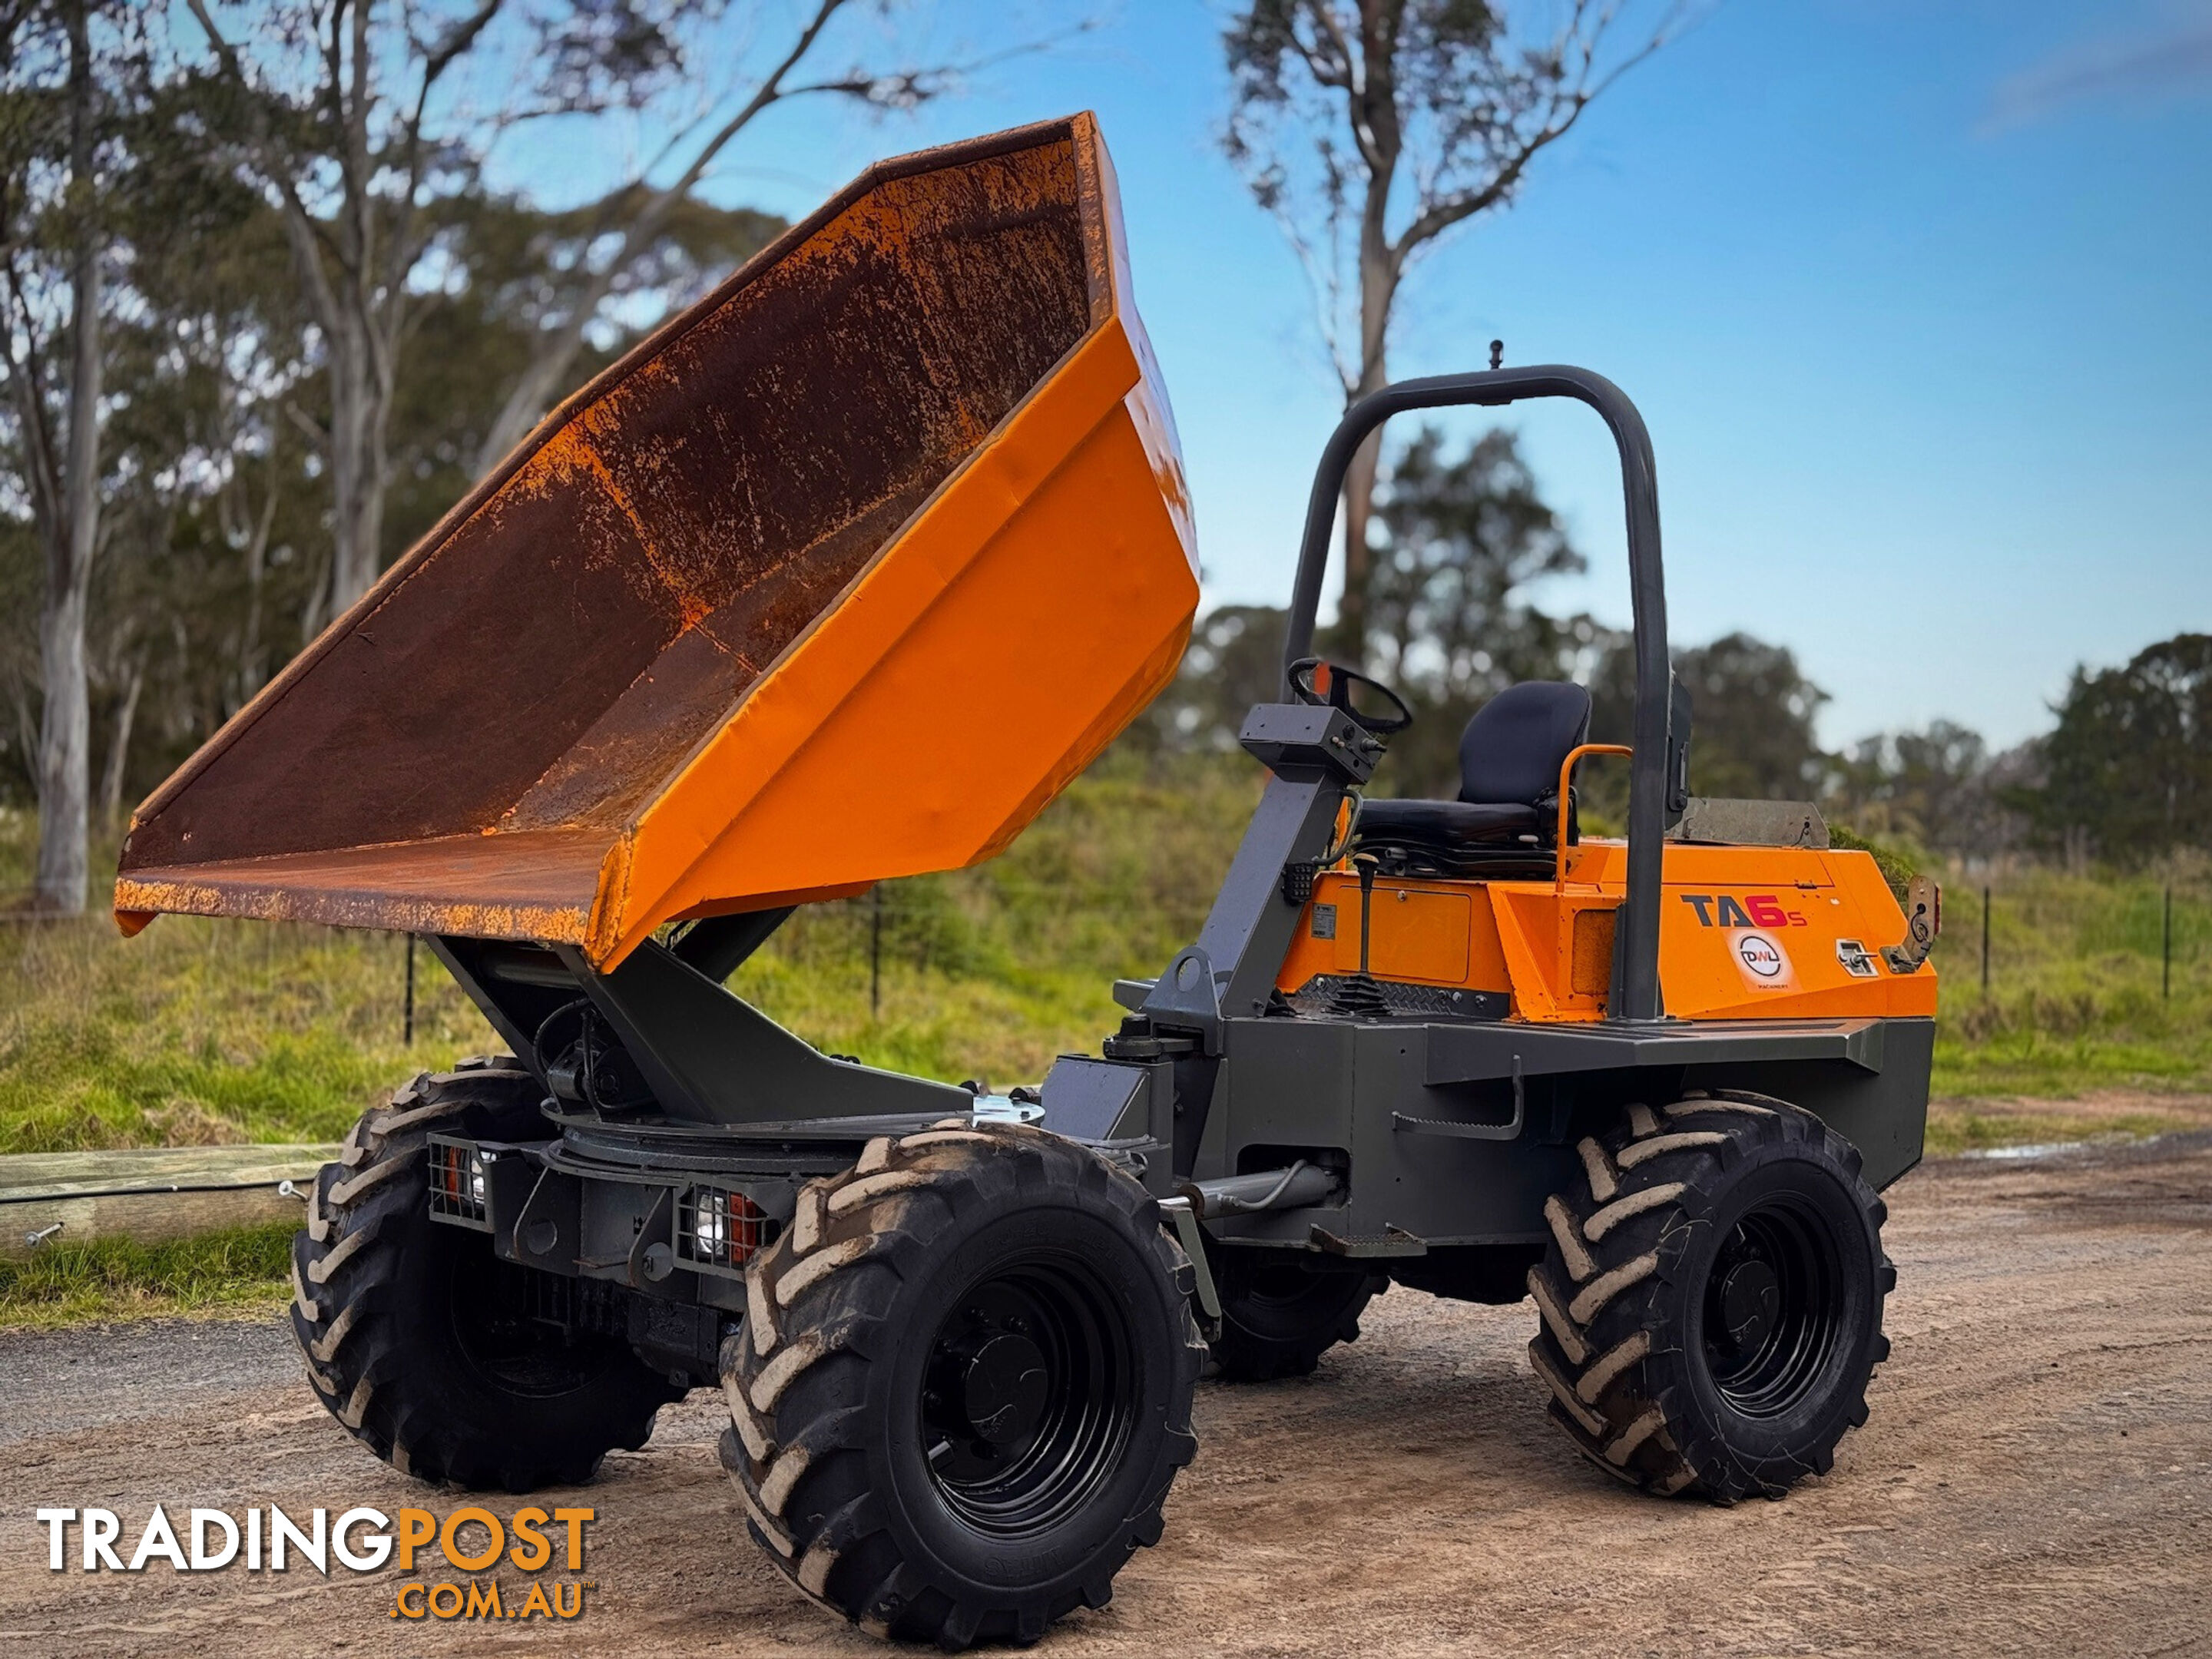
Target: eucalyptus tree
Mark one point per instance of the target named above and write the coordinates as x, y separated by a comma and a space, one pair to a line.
1371, 128
72, 77
627, 240
2127, 772
369, 125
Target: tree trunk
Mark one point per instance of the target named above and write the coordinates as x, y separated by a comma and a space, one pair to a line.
252, 672
357, 502
361, 410
1380, 138
359, 299
1359, 513
64, 752
65, 721
118, 748
532, 397
1378, 288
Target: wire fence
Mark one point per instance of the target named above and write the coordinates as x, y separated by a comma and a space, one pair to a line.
2035, 934
2150, 935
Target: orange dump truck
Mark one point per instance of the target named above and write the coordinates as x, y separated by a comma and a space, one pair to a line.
839, 576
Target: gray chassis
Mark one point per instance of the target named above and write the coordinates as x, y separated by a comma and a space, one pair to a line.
1425, 1142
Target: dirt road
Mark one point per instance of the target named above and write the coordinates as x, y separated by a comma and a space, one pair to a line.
2037, 1475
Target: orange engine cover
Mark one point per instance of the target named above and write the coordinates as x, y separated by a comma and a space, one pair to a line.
1746, 933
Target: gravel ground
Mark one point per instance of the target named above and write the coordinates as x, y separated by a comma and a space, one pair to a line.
2036, 1475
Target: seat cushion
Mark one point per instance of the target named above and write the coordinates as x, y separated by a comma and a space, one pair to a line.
1449, 825
1513, 748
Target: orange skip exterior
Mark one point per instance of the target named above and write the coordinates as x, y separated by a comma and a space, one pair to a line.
1766, 948
841, 575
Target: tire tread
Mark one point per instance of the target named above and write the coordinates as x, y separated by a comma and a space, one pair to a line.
829, 1280
1614, 1238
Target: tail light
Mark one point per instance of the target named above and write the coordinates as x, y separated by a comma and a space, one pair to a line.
718, 1228
457, 1181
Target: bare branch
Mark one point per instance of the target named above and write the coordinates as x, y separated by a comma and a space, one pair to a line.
26, 385
1443, 213
312, 430
462, 36
404, 249
1339, 67
641, 213
1368, 129
303, 231
766, 93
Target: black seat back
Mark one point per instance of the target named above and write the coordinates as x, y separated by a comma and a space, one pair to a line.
1513, 748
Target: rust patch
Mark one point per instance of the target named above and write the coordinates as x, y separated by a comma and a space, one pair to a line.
519, 887
1591, 974
556, 650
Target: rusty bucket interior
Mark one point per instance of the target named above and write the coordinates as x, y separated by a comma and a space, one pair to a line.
479, 744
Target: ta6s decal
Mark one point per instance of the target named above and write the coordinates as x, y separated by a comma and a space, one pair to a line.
1753, 911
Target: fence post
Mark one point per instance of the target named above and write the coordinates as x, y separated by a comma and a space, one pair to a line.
1986, 945
2165, 966
407, 1018
875, 954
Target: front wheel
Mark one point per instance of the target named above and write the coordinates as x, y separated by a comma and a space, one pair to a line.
963, 1386
1711, 1298
420, 1342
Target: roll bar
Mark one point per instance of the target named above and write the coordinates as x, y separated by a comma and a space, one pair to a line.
1658, 763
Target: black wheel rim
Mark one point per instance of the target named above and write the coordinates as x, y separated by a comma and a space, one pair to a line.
1029, 1397
1774, 1314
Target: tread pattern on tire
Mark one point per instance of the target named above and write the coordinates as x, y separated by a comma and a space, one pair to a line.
346, 1266
812, 1313
1617, 1238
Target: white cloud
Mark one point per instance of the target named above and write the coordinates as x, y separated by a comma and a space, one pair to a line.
2174, 60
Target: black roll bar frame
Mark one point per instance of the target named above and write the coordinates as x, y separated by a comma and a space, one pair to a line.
1636, 995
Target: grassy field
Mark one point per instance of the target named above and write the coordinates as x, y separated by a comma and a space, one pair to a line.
201, 1032
2079, 1034
2077, 1000
240, 1272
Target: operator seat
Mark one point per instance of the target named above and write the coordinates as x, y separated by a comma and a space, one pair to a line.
1505, 819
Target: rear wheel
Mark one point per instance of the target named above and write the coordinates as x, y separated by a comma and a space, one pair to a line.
1711, 1298
1278, 1318
419, 1341
963, 1386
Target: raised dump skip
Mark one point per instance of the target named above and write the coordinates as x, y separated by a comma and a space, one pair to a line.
839, 575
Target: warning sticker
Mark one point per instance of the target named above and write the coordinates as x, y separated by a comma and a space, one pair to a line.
1763, 962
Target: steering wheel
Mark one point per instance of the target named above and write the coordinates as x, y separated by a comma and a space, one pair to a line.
1339, 695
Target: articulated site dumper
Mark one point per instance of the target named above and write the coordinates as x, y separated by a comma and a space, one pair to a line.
841, 576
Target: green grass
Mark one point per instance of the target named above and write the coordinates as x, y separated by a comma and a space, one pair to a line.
1979, 1126
207, 1032
245, 1271
2076, 1003
202, 1032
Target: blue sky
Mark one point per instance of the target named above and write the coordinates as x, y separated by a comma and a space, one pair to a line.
1916, 300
